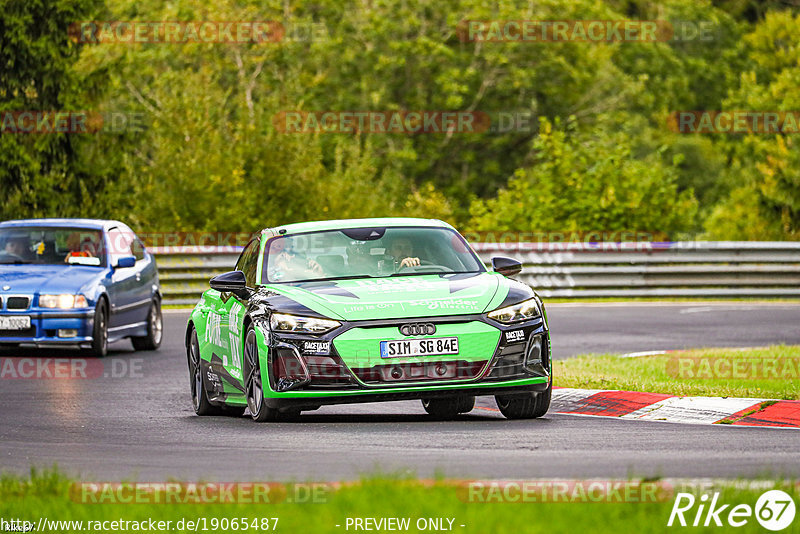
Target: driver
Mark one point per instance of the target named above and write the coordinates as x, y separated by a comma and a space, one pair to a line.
17, 246
401, 249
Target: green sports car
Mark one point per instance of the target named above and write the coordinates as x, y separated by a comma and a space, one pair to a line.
367, 310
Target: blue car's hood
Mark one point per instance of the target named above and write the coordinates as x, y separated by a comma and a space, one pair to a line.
53, 279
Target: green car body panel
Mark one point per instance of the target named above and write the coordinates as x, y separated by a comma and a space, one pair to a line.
370, 311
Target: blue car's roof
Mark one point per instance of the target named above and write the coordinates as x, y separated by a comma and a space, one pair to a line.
97, 224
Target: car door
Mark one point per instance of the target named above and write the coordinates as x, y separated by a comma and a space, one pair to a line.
124, 290
232, 311
146, 275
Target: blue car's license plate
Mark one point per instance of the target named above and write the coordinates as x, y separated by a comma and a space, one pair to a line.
434, 346
15, 322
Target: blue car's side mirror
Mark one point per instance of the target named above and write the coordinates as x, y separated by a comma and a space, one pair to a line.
125, 262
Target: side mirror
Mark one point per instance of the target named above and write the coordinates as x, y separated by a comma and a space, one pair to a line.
125, 261
231, 282
506, 266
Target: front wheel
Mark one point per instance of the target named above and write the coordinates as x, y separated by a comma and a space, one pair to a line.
448, 407
259, 410
526, 406
155, 329
100, 330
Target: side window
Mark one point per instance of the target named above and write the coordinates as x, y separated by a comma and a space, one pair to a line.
118, 245
137, 248
248, 261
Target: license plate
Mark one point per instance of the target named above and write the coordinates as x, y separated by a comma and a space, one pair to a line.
433, 346
22, 322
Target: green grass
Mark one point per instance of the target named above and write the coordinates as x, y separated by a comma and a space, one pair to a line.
46, 495
663, 374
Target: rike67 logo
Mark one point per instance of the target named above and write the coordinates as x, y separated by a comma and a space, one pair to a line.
774, 510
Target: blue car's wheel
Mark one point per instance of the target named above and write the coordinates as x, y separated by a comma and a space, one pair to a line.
100, 330
155, 329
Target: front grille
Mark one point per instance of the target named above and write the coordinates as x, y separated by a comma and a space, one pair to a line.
18, 303
28, 332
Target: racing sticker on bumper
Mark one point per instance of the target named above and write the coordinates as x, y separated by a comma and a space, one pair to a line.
316, 347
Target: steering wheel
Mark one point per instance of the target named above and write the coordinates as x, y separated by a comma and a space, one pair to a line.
424, 266
4, 254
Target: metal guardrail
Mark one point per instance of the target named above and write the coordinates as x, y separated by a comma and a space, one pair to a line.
721, 269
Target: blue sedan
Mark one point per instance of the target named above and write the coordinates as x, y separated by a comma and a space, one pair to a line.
77, 282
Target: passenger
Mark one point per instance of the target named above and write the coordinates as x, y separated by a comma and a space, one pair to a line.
288, 265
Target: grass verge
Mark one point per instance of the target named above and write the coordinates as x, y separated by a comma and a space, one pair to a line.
772, 372
47, 496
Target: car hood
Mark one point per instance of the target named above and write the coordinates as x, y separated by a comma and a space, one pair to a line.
400, 296
38, 279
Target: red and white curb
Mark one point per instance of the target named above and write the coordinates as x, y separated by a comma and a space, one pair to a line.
674, 409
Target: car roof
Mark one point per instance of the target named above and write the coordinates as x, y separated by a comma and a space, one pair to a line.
315, 226
97, 224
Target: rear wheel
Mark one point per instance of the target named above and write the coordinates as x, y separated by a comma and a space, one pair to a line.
155, 329
100, 330
448, 407
259, 410
527, 406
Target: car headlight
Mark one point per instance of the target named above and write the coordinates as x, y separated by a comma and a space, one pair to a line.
62, 301
524, 311
283, 322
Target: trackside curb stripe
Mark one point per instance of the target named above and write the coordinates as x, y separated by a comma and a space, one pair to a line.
673, 409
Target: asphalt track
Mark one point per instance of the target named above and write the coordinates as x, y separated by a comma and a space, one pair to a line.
135, 420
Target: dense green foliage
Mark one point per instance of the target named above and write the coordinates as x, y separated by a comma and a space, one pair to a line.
599, 155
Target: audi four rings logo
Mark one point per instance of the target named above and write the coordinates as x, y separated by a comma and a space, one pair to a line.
418, 329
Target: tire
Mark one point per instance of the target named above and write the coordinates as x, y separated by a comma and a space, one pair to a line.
254, 387
200, 402
528, 406
448, 407
100, 330
155, 329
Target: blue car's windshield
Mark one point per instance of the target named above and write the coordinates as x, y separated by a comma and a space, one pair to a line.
51, 246
367, 252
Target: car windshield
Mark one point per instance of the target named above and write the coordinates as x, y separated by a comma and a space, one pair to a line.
51, 246
367, 253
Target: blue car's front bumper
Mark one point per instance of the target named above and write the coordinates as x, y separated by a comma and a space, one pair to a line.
47, 324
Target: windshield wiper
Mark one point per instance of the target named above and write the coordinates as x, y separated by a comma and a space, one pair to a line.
15, 262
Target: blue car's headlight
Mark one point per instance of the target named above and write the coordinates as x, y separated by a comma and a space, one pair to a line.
524, 311
62, 301
283, 322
